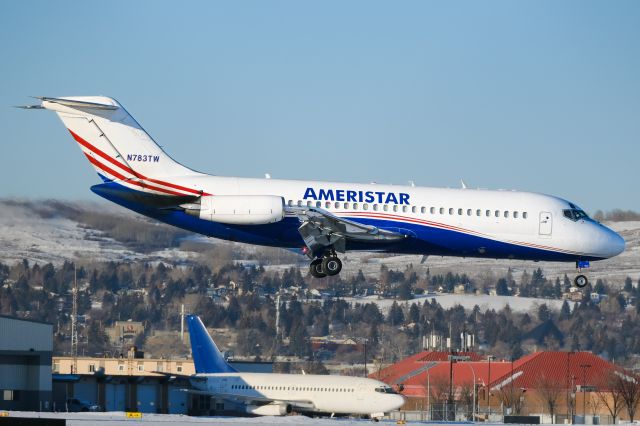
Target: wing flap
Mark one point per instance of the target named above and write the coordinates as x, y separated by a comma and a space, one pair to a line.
320, 229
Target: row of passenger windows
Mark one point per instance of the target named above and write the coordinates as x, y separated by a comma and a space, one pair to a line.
292, 388
412, 209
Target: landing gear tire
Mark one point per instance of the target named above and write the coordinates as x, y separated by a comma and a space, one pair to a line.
581, 281
331, 265
316, 269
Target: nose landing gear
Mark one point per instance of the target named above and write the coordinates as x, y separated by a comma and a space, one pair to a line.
581, 280
328, 265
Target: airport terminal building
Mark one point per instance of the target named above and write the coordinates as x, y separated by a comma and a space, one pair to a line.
134, 383
25, 364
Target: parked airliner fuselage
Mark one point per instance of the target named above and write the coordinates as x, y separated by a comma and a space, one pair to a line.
328, 394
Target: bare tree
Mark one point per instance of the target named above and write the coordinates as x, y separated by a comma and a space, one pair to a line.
629, 387
548, 391
466, 397
437, 390
594, 404
611, 398
512, 397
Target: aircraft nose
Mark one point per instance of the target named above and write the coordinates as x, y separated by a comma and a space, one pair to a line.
611, 243
398, 401
617, 243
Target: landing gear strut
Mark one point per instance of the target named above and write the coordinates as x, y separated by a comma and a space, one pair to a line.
328, 265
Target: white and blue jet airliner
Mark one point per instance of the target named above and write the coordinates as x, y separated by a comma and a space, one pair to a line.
326, 218
267, 394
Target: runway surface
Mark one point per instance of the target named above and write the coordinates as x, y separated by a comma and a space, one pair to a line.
120, 418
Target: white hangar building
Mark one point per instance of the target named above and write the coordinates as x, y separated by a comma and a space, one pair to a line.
25, 364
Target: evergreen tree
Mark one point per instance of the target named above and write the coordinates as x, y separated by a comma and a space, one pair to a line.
404, 291
414, 313
544, 314
502, 287
565, 311
396, 316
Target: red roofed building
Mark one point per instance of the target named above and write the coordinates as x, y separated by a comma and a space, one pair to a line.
526, 386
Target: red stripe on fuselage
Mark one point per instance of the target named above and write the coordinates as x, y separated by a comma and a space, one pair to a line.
127, 169
109, 170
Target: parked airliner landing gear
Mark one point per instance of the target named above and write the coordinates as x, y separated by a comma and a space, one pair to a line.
329, 265
581, 280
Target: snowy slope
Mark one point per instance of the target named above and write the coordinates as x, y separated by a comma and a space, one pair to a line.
25, 234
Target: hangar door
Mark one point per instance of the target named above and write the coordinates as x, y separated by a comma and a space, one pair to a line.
177, 400
147, 396
115, 397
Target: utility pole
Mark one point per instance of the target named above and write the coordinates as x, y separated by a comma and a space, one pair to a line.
277, 351
74, 322
365, 357
182, 323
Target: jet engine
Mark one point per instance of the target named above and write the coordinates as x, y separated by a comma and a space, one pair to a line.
273, 409
238, 209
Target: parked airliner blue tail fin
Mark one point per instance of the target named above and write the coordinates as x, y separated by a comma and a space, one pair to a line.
206, 355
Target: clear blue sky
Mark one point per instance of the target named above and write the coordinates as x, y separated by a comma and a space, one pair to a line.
541, 96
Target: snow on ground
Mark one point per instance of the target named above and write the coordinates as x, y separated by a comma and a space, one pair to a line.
467, 301
119, 418
26, 235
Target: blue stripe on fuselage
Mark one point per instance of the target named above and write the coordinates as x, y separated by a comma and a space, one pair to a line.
423, 239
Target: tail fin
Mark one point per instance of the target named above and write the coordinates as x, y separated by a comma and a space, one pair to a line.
206, 356
116, 145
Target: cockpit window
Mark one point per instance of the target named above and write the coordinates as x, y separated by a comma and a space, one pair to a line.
385, 389
575, 214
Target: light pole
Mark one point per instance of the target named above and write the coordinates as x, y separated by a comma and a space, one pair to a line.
584, 391
568, 390
429, 394
490, 358
473, 408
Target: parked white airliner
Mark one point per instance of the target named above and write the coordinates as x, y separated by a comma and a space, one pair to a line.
268, 394
324, 218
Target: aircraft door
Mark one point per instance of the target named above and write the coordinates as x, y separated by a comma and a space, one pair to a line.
361, 390
546, 224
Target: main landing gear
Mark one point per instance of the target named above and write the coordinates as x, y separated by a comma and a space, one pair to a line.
581, 280
327, 265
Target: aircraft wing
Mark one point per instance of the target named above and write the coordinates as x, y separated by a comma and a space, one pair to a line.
320, 228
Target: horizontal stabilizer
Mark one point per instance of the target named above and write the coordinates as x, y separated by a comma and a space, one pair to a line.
71, 103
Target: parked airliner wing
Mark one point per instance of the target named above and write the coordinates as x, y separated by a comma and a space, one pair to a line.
321, 229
